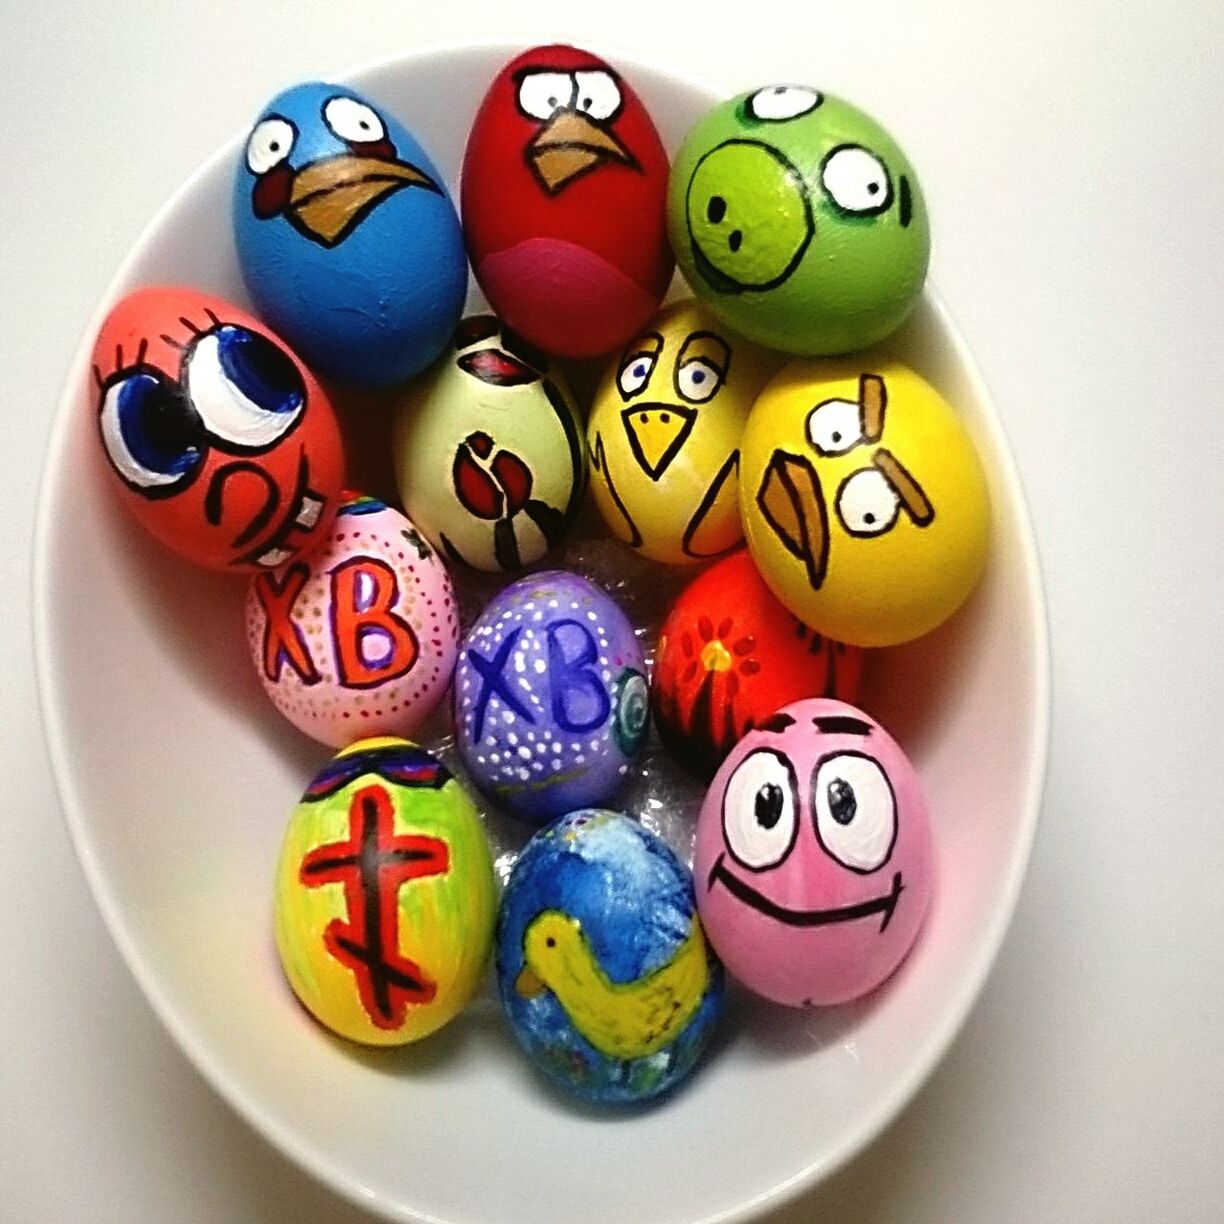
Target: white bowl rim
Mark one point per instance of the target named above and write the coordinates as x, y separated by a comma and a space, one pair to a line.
214, 1070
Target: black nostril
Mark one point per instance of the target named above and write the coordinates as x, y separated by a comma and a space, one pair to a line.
716, 209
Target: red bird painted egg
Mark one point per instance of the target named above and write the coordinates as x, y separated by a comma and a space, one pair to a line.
221, 442
563, 200
730, 655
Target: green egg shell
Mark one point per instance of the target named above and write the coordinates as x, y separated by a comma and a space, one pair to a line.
798, 221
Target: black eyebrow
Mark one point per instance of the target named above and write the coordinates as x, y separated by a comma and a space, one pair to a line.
842, 724
776, 722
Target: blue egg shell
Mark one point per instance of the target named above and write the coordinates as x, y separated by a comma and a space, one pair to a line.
603, 969
349, 244
551, 701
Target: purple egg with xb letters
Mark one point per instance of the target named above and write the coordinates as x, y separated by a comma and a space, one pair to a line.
551, 701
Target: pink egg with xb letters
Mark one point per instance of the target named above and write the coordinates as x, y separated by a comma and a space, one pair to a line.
359, 637
813, 863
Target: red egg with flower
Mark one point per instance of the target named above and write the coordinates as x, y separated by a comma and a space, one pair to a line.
730, 655
563, 200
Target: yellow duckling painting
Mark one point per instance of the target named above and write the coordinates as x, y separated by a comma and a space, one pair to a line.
605, 974
621, 1019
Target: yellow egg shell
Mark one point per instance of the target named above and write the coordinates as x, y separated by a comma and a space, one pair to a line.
864, 502
664, 435
385, 895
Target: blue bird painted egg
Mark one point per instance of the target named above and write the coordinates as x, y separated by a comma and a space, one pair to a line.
551, 701
348, 242
602, 965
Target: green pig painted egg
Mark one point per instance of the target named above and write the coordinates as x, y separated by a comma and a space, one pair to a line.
799, 221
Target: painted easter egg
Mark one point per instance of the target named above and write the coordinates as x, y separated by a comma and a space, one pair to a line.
664, 435
385, 895
359, 637
347, 239
864, 502
551, 703
220, 441
729, 655
813, 859
563, 198
604, 972
799, 221
488, 450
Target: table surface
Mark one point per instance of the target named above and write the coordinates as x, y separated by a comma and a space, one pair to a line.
1069, 152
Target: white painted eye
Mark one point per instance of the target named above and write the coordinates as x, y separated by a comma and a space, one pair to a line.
761, 810
856, 180
835, 426
856, 811
268, 144
151, 433
635, 374
247, 391
780, 102
867, 504
697, 380
353, 120
542, 94
598, 94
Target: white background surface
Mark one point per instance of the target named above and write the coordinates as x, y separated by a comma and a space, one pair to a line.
1070, 157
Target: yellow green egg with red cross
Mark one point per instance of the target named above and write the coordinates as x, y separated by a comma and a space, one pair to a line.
385, 895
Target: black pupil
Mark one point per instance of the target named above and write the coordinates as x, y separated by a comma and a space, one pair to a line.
260, 369
836, 435
716, 209
768, 805
872, 188
274, 145
734, 241
159, 426
552, 943
868, 517
842, 803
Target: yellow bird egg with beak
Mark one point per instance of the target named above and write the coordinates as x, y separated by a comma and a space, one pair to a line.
664, 435
864, 502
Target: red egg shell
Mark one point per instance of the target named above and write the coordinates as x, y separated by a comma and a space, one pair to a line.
730, 655
563, 201
220, 441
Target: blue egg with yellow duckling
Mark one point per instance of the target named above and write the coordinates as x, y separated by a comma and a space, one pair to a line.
348, 241
604, 972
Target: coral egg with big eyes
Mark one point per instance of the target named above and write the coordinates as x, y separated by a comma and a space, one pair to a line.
563, 199
347, 239
664, 435
360, 636
488, 450
219, 439
864, 502
551, 700
729, 655
813, 863
798, 221
385, 895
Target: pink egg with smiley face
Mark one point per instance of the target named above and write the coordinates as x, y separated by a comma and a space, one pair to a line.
813, 862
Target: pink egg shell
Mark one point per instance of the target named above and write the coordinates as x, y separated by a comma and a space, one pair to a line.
813, 861
360, 637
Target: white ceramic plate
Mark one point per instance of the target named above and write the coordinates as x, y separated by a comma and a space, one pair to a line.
177, 776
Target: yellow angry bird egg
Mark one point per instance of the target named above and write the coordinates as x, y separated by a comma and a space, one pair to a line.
864, 502
664, 435
385, 895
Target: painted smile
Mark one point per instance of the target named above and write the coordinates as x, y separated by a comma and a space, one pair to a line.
305, 508
806, 918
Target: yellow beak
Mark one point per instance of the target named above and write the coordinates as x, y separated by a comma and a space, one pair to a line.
330, 197
570, 144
